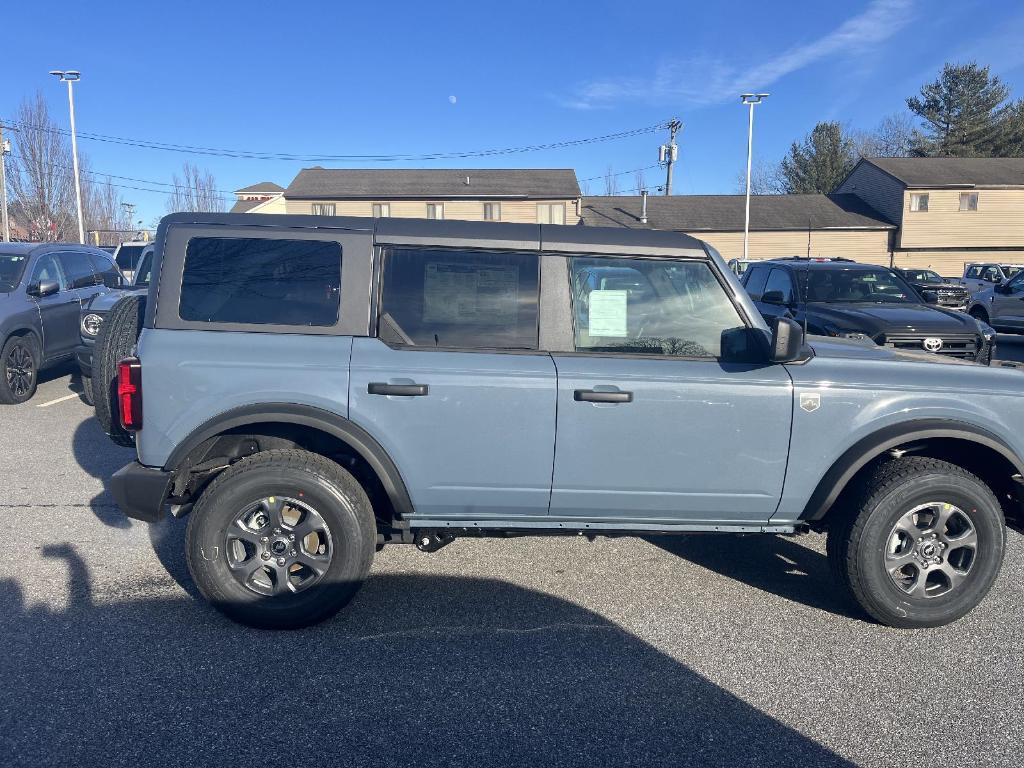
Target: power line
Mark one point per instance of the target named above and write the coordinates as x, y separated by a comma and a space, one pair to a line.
254, 155
620, 173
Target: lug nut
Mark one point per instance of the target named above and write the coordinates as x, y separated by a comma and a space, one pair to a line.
292, 553
291, 537
277, 531
266, 555
280, 561
264, 539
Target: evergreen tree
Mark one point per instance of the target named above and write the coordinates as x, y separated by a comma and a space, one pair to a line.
820, 161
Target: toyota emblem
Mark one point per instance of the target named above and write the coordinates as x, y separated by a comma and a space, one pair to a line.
932, 344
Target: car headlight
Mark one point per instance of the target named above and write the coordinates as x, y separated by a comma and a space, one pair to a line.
91, 324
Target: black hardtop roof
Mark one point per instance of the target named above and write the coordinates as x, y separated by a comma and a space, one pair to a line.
800, 262
404, 231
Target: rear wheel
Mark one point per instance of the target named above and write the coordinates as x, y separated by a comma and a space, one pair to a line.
281, 540
115, 341
978, 313
922, 543
87, 390
19, 370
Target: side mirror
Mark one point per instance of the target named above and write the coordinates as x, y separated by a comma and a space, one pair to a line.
1002, 288
787, 340
43, 288
774, 297
930, 297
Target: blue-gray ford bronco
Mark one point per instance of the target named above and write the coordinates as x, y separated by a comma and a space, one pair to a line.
311, 389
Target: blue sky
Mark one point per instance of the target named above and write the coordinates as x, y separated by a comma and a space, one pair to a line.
404, 77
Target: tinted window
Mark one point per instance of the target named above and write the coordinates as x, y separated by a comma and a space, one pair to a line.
261, 281
47, 269
104, 267
755, 280
77, 269
128, 256
463, 299
857, 285
11, 267
651, 306
780, 280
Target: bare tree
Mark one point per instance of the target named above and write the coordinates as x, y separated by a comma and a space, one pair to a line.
895, 136
105, 215
196, 190
39, 175
765, 179
611, 182
639, 182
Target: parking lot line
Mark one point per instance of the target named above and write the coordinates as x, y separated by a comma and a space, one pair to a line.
58, 400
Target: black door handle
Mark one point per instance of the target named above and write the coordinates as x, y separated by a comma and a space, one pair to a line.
597, 396
396, 390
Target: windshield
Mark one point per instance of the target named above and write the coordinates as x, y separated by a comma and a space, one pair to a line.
858, 285
923, 276
1011, 271
141, 277
128, 256
11, 267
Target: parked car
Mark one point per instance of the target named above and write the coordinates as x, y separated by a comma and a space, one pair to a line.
42, 288
128, 255
95, 311
310, 389
839, 297
946, 293
1002, 305
979, 276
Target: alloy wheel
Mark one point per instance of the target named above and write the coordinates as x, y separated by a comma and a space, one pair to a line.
20, 369
931, 550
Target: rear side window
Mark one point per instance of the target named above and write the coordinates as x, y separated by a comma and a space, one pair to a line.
261, 281
461, 299
780, 281
105, 269
756, 277
78, 269
128, 256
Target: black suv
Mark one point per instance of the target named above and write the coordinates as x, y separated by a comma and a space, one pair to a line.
839, 297
946, 293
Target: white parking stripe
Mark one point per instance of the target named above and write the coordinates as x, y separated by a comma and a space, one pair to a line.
58, 400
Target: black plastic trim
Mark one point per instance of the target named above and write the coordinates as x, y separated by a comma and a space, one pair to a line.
305, 415
396, 390
140, 491
874, 445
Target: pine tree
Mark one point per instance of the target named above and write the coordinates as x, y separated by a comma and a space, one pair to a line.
820, 161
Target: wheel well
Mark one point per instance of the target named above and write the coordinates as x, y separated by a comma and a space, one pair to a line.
979, 313
992, 467
203, 462
19, 332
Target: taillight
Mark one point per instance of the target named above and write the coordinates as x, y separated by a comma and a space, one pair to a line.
129, 393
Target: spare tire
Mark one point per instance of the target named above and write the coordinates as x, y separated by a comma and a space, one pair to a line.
115, 341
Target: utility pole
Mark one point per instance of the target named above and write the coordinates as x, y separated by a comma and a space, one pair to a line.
5, 149
71, 77
751, 100
669, 153
129, 210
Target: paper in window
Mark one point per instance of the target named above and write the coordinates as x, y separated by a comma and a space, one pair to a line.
607, 313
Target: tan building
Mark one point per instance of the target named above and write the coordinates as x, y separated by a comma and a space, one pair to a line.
949, 210
533, 196
265, 197
780, 225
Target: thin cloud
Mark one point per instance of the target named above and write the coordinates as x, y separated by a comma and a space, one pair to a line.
707, 80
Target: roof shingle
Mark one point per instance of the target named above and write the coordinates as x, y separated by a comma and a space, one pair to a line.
376, 183
953, 171
264, 187
725, 213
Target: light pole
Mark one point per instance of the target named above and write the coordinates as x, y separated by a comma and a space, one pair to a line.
70, 77
751, 100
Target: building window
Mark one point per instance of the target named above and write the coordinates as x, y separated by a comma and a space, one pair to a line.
968, 201
919, 202
492, 211
323, 209
381, 210
435, 210
551, 213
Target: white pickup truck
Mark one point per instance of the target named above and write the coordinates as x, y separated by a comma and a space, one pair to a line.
980, 275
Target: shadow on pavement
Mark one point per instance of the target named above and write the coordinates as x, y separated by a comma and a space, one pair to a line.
773, 564
419, 670
101, 458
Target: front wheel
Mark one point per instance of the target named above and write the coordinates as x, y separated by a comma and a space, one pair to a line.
19, 370
922, 543
282, 539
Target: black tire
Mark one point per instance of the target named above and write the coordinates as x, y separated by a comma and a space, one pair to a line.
978, 313
336, 497
87, 390
115, 341
860, 543
19, 370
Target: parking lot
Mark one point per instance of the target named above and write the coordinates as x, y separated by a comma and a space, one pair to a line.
546, 651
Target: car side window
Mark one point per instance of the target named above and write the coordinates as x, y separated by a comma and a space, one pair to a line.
757, 276
974, 273
780, 280
651, 307
460, 299
261, 281
991, 274
1016, 283
47, 269
105, 270
77, 269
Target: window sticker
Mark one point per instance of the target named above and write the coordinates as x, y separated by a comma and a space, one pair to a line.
608, 313
460, 293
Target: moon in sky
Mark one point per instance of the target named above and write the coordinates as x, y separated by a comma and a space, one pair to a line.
452, 99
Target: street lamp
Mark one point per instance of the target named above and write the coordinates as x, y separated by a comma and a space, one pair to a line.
70, 77
751, 100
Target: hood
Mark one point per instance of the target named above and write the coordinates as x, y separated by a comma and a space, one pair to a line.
875, 319
937, 285
104, 301
865, 349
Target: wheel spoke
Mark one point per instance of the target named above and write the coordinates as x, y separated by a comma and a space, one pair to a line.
241, 531
311, 522
968, 539
282, 582
895, 562
942, 514
917, 589
955, 577
246, 569
316, 563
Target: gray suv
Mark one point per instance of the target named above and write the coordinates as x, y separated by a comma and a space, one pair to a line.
42, 289
311, 389
1001, 305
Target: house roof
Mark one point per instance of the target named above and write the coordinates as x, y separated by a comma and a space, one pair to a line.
953, 171
725, 213
264, 187
244, 206
376, 183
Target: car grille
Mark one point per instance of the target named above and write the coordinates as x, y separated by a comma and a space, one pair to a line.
952, 297
962, 345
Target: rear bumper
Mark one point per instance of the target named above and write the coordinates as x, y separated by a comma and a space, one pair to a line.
140, 491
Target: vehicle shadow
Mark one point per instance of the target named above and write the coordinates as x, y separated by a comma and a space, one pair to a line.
101, 458
775, 564
419, 670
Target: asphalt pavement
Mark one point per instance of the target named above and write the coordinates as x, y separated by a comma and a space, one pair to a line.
704, 650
